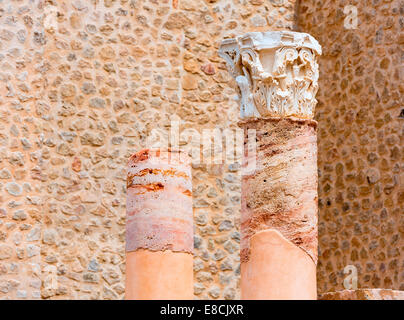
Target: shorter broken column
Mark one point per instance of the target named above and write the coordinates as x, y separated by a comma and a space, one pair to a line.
159, 226
276, 74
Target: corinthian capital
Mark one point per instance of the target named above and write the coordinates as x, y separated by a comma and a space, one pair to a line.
276, 73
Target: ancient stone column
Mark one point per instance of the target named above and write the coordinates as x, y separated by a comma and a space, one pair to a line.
276, 74
159, 226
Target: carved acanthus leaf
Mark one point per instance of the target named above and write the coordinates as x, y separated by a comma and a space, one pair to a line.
277, 73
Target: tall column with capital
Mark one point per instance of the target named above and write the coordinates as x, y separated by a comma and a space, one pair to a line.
159, 226
276, 75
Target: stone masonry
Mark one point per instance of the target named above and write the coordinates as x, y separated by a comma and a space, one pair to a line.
84, 82
360, 139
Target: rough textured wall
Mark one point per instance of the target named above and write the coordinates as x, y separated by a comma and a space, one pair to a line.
364, 294
360, 138
21, 48
111, 72
90, 127
281, 194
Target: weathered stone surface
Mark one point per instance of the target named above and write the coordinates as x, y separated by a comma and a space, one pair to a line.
5, 252
14, 189
159, 202
364, 294
281, 193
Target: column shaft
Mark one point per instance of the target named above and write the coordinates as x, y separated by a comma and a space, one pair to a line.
279, 212
159, 227
276, 75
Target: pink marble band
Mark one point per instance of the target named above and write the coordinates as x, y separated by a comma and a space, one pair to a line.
159, 201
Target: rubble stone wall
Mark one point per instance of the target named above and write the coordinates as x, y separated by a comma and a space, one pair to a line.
21, 198
360, 139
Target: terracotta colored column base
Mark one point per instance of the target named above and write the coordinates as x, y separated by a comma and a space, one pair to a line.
364, 294
277, 270
172, 275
